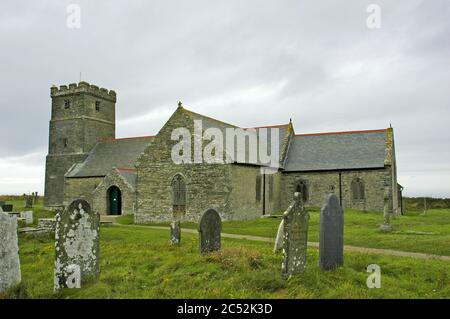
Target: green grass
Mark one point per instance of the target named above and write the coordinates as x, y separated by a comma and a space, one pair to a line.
38, 210
361, 229
140, 263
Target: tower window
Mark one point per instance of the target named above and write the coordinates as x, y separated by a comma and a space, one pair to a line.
66, 104
97, 106
65, 142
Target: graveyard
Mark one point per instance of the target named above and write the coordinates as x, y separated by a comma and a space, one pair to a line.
139, 261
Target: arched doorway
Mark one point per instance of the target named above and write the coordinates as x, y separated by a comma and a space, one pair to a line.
114, 201
178, 197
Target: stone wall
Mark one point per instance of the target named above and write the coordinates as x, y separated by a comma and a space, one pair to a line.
81, 115
100, 194
80, 188
55, 168
320, 183
207, 185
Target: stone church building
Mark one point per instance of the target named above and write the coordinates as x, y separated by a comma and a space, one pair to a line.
138, 176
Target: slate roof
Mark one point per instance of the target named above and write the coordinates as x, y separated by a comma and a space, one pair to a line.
208, 122
129, 175
105, 155
337, 151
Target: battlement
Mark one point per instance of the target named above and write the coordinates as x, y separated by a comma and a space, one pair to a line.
83, 87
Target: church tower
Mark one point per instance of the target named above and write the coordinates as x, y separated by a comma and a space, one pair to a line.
82, 114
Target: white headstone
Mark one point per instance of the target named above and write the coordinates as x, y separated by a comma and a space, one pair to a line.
9, 252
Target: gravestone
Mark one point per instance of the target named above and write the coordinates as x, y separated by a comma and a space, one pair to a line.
209, 231
47, 223
386, 226
9, 252
77, 245
279, 238
295, 238
28, 216
2, 202
175, 233
7, 208
35, 197
29, 202
331, 244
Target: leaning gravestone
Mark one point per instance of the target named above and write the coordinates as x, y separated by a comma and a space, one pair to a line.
9, 252
77, 245
209, 231
331, 244
175, 233
295, 238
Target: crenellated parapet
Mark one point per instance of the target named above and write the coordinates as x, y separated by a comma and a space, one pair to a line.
83, 87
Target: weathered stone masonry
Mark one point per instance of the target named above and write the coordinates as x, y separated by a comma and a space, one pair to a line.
85, 161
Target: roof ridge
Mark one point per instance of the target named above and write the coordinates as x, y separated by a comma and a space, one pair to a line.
208, 117
269, 126
343, 132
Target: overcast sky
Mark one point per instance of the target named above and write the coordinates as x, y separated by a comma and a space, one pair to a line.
246, 62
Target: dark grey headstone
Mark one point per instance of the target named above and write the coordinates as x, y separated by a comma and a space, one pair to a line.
209, 231
175, 233
77, 245
7, 208
295, 238
9, 252
29, 202
331, 244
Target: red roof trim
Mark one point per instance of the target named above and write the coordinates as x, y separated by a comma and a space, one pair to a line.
345, 132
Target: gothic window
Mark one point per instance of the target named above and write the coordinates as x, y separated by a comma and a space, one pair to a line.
358, 191
258, 188
97, 106
302, 188
270, 188
66, 104
65, 142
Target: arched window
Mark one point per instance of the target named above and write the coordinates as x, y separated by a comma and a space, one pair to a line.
178, 196
302, 187
258, 188
358, 191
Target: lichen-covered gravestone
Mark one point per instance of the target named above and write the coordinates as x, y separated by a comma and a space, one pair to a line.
9, 252
295, 238
175, 233
331, 244
77, 245
209, 231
